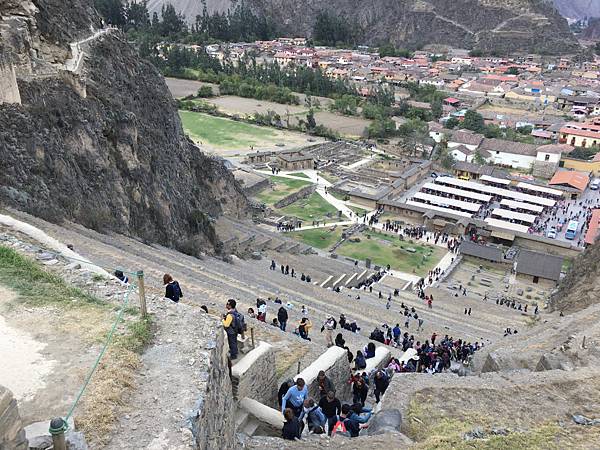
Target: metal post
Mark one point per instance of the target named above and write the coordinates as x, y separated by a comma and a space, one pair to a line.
57, 430
252, 337
142, 293
298, 368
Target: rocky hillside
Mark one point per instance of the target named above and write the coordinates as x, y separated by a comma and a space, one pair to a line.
190, 8
489, 25
578, 9
97, 138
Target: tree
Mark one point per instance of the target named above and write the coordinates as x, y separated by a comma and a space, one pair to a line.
346, 105
436, 108
137, 15
447, 160
512, 71
311, 123
451, 123
474, 121
205, 91
172, 22
597, 48
112, 11
478, 158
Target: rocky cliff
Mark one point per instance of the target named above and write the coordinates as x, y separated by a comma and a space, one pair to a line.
500, 26
96, 138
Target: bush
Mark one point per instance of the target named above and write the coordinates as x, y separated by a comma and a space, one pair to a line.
205, 92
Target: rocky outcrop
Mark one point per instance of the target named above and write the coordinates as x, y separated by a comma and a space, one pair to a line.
578, 9
12, 434
104, 146
490, 25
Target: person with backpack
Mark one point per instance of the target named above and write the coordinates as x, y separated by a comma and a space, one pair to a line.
315, 419
304, 328
331, 408
294, 397
233, 322
172, 288
282, 316
347, 423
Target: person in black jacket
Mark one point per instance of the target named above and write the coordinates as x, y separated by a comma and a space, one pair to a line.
291, 427
331, 407
381, 384
282, 316
172, 288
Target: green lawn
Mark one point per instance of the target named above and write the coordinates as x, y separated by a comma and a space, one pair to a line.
384, 250
358, 210
224, 133
322, 238
282, 187
299, 175
311, 208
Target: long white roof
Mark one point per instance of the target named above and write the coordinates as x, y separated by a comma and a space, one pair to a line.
494, 180
485, 198
511, 215
513, 204
506, 225
438, 208
542, 189
445, 201
501, 192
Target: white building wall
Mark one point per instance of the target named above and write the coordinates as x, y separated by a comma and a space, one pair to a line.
513, 160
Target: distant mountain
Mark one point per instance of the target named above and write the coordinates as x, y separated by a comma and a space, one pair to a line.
578, 9
190, 8
500, 26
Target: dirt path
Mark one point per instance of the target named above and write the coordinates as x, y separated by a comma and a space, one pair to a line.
28, 368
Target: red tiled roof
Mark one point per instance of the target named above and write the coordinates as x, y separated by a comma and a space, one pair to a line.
592, 232
578, 180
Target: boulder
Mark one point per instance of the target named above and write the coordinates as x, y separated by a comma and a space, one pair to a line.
386, 420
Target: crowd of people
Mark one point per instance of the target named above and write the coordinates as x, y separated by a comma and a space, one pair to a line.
289, 226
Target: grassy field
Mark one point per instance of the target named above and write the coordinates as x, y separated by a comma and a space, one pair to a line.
299, 175
322, 238
358, 210
225, 133
311, 208
384, 250
281, 188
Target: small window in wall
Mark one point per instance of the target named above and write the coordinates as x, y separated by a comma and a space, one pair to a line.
547, 157
497, 152
536, 279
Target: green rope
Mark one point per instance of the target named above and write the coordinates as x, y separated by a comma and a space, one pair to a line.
108, 341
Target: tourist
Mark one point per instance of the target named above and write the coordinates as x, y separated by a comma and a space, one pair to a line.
121, 277
370, 350
304, 328
275, 323
294, 397
382, 382
282, 316
325, 384
360, 390
233, 326
350, 421
328, 327
360, 362
315, 419
273, 265
331, 408
283, 389
172, 288
340, 341
291, 427
251, 313
262, 310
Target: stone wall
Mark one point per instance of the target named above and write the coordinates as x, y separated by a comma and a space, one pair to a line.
254, 375
336, 366
544, 169
12, 435
212, 420
294, 197
9, 90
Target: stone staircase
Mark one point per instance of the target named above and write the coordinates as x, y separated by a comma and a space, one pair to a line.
212, 281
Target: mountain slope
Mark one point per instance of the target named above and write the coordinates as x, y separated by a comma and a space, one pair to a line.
578, 9
490, 25
97, 138
190, 8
